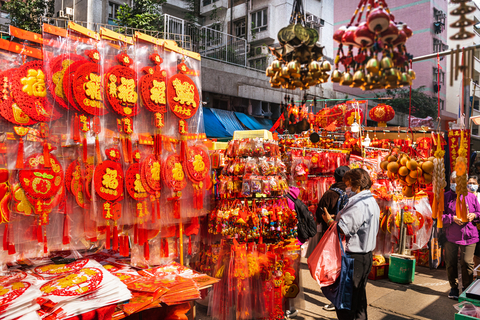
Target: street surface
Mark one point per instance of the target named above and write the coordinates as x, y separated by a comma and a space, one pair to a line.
425, 298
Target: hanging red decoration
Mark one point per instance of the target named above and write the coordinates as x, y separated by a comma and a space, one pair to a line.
87, 88
67, 84
382, 113
29, 91
197, 162
121, 87
153, 89
183, 96
151, 170
9, 110
40, 181
56, 76
134, 183
108, 180
173, 173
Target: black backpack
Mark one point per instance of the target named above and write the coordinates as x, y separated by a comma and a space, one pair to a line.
306, 226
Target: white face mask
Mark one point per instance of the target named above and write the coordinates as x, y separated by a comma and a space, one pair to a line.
349, 192
472, 187
453, 187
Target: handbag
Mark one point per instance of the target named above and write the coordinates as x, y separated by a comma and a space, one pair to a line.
340, 293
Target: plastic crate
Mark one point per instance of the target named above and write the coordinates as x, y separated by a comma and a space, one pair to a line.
265, 134
463, 297
379, 272
462, 316
401, 269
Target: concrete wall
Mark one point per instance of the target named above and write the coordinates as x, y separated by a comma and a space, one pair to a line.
418, 15
100, 9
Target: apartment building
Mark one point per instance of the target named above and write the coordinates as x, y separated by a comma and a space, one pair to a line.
454, 93
90, 11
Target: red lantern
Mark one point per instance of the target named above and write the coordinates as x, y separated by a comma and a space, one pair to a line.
382, 113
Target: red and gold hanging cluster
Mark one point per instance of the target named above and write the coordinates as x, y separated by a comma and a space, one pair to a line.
382, 113
83, 144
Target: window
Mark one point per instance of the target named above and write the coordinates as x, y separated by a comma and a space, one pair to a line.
475, 131
436, 76
259, 64
240, 28
207, 2
439, 46
259, 21
439, 24
442, 104
112, 10
213, 35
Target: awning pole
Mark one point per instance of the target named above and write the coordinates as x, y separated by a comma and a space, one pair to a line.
443, 53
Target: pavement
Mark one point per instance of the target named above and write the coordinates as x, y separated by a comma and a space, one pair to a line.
425, 298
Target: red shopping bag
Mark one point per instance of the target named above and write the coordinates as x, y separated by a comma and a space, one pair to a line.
325, 261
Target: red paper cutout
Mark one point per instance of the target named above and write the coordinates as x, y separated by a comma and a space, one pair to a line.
87, 89
9, 110
109, 180
38, 181
173, 173
183, 96
134, 183
197, 162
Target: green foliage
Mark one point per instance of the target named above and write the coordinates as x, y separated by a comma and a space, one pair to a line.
144, 14
28, 15
423, 105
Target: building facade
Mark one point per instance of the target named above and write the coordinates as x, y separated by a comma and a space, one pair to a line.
454, 92
90, 11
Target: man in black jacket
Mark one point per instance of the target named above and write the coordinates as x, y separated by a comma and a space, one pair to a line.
329, 200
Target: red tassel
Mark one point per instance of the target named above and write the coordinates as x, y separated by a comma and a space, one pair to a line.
128, 142
165, 248
135, 234
46, 154
124, 149
190, 245
11, 246
45, 247
97, 151
76, 129
146, 251
5, 238
39, 234
107, 237
66, 237
158, 209
183, 149
19, 164
153, 211
115, 237
176, 209
85, 148
127, 246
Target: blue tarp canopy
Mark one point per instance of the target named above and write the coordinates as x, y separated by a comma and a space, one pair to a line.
253, 123
213, 127
228, 119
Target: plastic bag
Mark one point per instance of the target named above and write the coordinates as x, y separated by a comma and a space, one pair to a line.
468, 309
325, 261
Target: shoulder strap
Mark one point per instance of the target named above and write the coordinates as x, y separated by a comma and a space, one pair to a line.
289, 196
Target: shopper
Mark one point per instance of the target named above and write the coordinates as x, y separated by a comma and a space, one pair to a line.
359, 222
460, 235
472, 186
330, 201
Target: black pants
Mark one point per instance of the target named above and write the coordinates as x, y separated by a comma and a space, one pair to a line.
466, 261
361, 268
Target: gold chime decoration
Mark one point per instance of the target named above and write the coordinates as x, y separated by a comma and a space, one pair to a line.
462, 11
299, 62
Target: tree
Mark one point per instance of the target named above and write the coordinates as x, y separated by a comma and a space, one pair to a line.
423, 105
28, 15
144, 14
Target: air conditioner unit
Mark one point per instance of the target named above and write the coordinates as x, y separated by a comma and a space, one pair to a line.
312, 18
60, 14
265, 50
69, 11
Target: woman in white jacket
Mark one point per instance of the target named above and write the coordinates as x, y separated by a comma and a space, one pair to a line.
359, 222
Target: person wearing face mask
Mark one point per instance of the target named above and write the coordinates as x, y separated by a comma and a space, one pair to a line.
329, 200
472, 186
359, 222
460, 235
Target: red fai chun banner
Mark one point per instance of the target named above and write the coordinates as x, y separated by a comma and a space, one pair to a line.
454, 140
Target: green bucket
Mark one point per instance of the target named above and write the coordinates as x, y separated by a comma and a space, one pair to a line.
401, 270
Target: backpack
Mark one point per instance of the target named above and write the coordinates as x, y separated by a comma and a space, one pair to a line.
342, 201
306, 226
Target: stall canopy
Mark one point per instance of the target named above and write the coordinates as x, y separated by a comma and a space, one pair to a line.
228, 119
253, 123
213, 127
